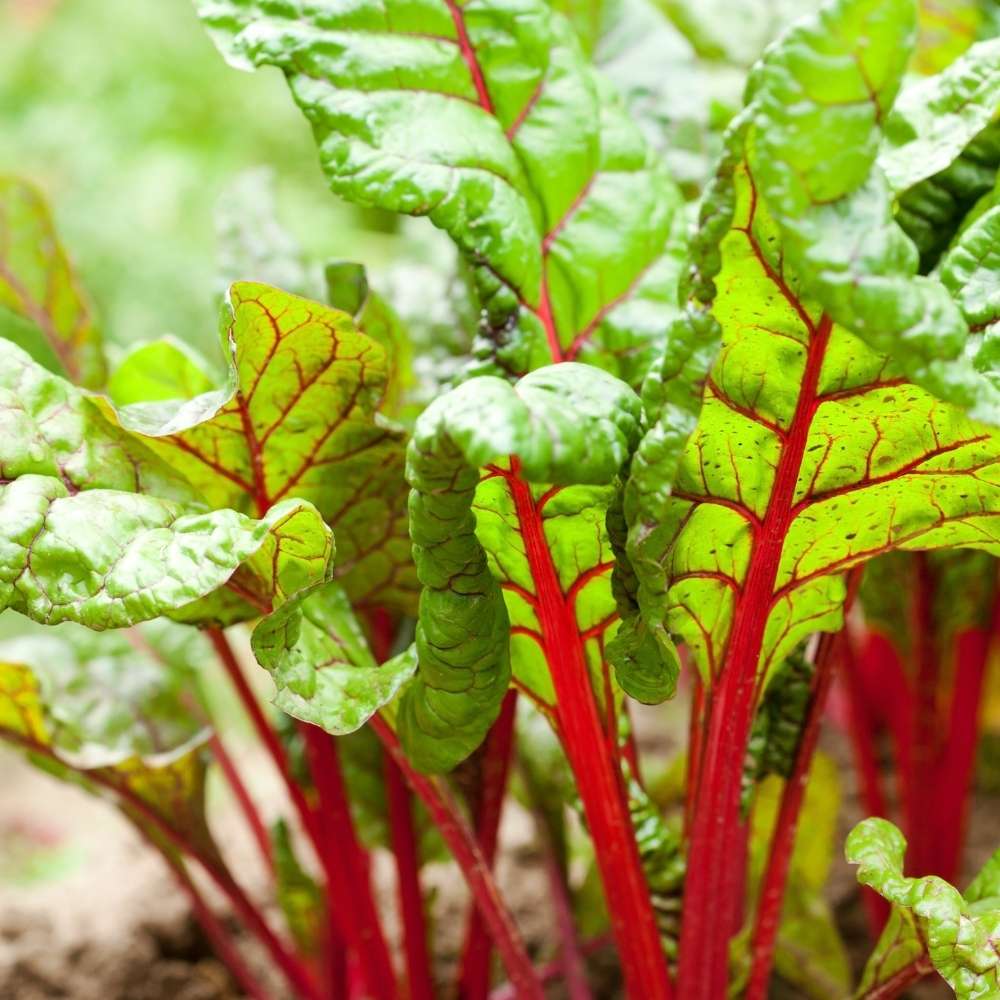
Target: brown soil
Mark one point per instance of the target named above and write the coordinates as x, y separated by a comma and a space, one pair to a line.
106, 922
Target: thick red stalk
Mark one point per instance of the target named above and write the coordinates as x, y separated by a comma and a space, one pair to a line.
217, 934
348, 885
772, 890
266, 733
405, 849
244, 800
474, 976
696, 729
715, 860
457, 835
595, 767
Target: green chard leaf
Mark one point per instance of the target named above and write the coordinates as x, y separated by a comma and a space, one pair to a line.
487, 118
299, 896
530, 533
934, 119
42, 306
811, 148
298, 417
96, 528
812, 453
931, 920
116, 720
321, 663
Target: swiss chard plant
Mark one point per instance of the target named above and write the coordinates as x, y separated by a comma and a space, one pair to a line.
707, 402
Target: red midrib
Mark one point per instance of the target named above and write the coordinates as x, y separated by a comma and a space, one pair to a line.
714, 872
594, 763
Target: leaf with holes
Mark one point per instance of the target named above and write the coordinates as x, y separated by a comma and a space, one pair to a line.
487, 119
42, 306
298, 418
96, 528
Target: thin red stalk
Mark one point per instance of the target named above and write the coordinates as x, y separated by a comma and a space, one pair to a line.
218, 936
900, 981
553, 971
346, 868
861, 727
595, 767
455, 832
291, 968
244, 800
474, 974
972, 651
419, 980
265, 732
574, 967
715, 876
924, 730
772, 891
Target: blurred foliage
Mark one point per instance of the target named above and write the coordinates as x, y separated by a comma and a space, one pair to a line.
126, 118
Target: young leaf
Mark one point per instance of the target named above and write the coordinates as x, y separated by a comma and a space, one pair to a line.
37, 283
321, 664
488, 119
959, 933
299, 417
96, 529
589, 423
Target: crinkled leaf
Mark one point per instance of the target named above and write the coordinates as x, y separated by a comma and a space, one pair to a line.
37, 283
971, 272
159, 370
812, 453
815, 105
777, 725
321, 664
299, 418
95, 528
934, 119
960, 934
562, 425
488, 119
935, 210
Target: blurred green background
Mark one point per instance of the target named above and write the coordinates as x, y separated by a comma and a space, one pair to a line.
126, 117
